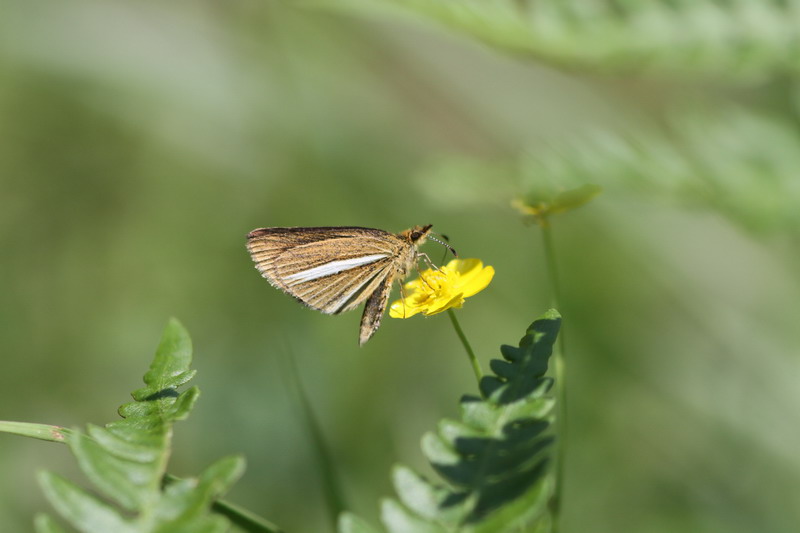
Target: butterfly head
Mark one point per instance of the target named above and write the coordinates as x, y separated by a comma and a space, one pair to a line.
418, 234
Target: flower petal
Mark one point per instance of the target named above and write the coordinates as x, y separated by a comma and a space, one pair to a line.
466, 268
403, 309
456, 301
478, 282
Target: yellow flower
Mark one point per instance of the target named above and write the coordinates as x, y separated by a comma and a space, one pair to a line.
435, 291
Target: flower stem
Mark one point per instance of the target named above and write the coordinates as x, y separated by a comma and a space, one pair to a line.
560, 373
552, 269
476, 366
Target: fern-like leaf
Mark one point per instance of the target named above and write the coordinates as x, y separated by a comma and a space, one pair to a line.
494, 459
741, 164
126, 461
741, 39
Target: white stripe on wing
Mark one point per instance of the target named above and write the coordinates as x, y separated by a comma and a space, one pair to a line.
337, 306
332, 268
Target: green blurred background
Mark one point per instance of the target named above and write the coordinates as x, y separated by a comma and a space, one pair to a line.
141, 141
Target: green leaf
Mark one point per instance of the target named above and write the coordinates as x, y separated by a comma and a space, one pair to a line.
170, 367
521, 375
574, 198
126, 461
45, 524
417, 494
84, 511
243, 519
350, 523
741, 40
190, 498
736, 162
733, 161
398, 519
129, 482
494, 460
548, 199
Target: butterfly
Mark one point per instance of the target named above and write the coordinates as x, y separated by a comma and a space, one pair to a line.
335, 269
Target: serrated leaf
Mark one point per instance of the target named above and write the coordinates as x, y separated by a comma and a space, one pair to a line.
529, 359
417, 493
126, 462
478, 414
170, 367
83, 511
189, 498
438, 450
125, 448
211, 524
350, 523
127, 482
526, 512
506, 490
495, 459
398, 519
740, 163
45, 524
184, 403
743, 40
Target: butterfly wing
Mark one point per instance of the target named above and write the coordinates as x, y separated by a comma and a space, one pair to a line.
344, 291
330, 269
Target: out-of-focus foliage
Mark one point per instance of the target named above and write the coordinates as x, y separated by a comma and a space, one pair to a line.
739, 163
738, 39
141, 141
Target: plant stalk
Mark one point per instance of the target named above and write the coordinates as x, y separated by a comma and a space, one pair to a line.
476, 366
560, 373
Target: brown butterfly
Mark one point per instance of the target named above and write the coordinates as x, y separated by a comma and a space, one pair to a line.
334, 269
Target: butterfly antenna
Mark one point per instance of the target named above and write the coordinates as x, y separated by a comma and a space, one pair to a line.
455, 254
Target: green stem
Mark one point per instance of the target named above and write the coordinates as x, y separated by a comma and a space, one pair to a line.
550, 259
560, 373
239, 516
36, 431
476, 366
244, 519
330, 485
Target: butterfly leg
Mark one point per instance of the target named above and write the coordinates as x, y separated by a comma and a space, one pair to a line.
433, 267
427, 259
